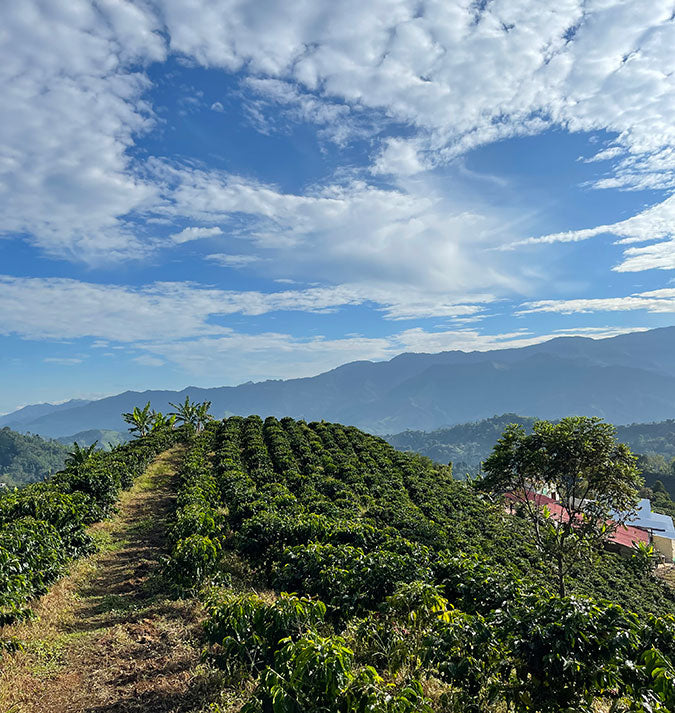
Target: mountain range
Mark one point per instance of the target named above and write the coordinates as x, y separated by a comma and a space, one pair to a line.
624, 379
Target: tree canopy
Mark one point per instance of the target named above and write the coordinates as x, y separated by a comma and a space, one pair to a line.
595, 479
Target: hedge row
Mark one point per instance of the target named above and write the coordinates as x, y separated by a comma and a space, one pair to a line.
43, 525
411, 594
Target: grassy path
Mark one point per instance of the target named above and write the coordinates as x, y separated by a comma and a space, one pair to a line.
106, 639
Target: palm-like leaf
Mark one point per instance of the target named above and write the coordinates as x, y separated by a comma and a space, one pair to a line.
79, 455
140, 419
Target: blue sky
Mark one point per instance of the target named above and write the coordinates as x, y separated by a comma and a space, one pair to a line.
203, 192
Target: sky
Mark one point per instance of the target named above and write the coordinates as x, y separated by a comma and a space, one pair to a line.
207, 192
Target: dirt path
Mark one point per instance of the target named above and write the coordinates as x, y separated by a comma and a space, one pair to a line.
106, 640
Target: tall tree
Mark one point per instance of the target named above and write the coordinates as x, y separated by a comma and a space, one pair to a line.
595, 477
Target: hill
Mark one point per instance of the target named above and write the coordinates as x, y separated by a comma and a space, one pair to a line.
467, 445
28, 458
412, 592
104, 438
625, 379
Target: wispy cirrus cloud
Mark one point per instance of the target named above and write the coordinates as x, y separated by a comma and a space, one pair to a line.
55, 308
654, 301
656, 223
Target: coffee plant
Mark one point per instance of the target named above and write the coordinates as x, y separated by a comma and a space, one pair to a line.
385, 585
42, 526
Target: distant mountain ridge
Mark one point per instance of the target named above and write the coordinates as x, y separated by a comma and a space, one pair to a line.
625, 379
27, 414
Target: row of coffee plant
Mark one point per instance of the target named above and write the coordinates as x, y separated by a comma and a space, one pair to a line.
197, 528
411, 593
43, 525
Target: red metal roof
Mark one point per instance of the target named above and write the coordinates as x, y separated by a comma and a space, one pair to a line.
628, 535
625, 535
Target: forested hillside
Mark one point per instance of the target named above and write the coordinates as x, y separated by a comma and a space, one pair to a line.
104, 438
468, 444
26, 458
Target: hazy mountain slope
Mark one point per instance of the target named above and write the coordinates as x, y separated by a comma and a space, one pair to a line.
625, 379
548, 386
30, 413
467, 444
103, 438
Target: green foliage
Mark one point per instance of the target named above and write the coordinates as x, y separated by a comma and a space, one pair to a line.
467, 445
412, 591
594, 477
140, 420
192, 415
80, 455
318, 673
247, 629
42, 526
192, 560
26, 458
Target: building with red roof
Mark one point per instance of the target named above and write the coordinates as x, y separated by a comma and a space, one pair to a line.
622, 540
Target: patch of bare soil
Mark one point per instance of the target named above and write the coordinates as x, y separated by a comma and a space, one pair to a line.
106, 639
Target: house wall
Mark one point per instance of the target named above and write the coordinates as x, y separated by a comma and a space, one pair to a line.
665, 546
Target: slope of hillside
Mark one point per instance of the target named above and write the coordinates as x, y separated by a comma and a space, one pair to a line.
467, 445
624, 379
103, 438
412, 593
28, 458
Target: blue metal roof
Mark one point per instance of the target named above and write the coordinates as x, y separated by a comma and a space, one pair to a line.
662, 525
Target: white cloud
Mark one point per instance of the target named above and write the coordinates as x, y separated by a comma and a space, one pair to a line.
654, 223
353, 232
462, 78
399, 157
298, 106
232, 260
188, 234
604, 155
443, 77
72, 103
148, 360
655, 301
63, 361
44, 308
217, 107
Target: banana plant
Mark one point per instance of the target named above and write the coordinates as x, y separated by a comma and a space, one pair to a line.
202, 415
140, 420
161, 422
78, 456
185, 412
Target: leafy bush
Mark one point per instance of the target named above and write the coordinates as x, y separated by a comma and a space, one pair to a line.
42, 526
248, 629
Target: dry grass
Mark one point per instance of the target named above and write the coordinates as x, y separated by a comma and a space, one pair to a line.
105, 639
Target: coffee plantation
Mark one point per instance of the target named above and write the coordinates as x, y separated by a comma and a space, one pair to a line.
337, 574
374, 582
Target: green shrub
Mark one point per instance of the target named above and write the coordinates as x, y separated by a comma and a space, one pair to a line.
248, 629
